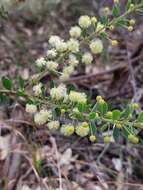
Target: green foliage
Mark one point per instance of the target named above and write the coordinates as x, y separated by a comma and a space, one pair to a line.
7, 83
140, 117
116, 115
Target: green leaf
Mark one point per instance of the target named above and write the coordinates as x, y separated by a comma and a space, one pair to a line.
103, 127
7, 83
92, 116
116, 134
104, 20
128, 5
81, 107
140, 117
116, 114
52, 84
70, 87
125, 133
79, 116
20, 93
20, 82
103, 108
115, 11
93, 128
126, 113
4, 100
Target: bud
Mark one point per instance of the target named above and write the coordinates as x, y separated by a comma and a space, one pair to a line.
94, 20
133, 139
101, 101
98, 98
106, 11
119, 126
85, 124
92, 138
63, 111
97, 114
132, 22
114, 42
107, 139
111, 27
132, 6
130, 28
135, 106
116, 1
109, 114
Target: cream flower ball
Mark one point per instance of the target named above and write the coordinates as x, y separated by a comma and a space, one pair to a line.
87, 58
96, 46
75, 32
31, 108
84, 21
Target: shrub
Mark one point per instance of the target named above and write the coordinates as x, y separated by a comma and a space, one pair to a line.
69, 110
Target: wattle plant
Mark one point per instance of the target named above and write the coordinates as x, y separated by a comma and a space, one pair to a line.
60, 108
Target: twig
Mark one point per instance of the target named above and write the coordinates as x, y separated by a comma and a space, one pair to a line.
58, 164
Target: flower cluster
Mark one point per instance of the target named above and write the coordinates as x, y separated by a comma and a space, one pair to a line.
78, 97
67, 109
42, 117
59, 93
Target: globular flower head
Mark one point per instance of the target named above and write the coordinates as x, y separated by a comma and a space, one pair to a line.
53, 125
37, 89
73, 60
61, 46
53, 40
51, 65
75, 32
82, 131
31, 108
40, 62
64, 76
67, 130
96, 46
52, 53
59, 93
67, 71
84, 21
42, 117
73, 45
87, 58
77, 97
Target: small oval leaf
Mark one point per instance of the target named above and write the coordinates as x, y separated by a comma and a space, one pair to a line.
6, 83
